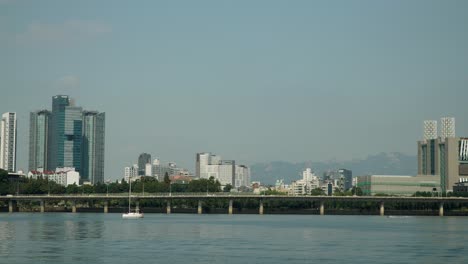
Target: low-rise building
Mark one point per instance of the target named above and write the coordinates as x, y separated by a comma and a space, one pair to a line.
63, 176
397, 185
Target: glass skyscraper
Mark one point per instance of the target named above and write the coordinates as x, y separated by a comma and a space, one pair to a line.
65, 134
38, 139
68, 137
143, 159
93, 146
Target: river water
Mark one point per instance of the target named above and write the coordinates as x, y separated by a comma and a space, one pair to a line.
189, 238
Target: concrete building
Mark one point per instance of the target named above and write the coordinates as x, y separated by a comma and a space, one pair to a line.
143, 159
242, 176
38, 139
93, 146
203, 160
346, 179
305, 185
430, 129
62, 176
130, 172
396, 184
448, 127
148, 170
8, 135
225, 171
443, 157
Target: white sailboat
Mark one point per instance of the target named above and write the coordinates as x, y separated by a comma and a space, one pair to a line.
135, 214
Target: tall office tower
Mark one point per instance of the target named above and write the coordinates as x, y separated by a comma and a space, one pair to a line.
447, 129
430, 129
8, 142
93, 146
142, 160
38, 139
202, 162
65, 135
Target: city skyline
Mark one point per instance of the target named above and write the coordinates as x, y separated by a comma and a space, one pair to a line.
68, 137
256, 82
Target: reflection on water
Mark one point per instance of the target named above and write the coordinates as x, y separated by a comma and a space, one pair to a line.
106, 238
7, 232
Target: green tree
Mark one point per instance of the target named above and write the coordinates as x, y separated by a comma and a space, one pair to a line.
167, 180
227, 188
4, 182
317, 191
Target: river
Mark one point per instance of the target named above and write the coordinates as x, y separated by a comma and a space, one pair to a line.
190, 238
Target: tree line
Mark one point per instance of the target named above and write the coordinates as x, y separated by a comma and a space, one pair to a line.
25, 185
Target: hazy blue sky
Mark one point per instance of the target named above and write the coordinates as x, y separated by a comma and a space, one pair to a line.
249, 80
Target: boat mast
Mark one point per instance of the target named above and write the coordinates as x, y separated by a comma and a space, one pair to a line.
129, 192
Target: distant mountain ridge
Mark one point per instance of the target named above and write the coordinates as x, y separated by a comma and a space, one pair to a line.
391, 163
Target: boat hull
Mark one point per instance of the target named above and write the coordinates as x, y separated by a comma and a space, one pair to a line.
132, 215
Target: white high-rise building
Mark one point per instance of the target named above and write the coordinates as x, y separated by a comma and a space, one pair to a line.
225, 171
307, 175
202, 162
148, 169
242, 177
130, 172
430, 129
447, 129
8, 142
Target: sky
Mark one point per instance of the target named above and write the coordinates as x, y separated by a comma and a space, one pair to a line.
253, 81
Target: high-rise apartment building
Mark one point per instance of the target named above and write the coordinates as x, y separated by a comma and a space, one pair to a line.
93, 146
38, 140
8, 135
143, 159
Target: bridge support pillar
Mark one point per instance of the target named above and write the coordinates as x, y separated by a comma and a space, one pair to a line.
42, 206
168, 207
230, 207
199, 210
441, 209
382, 209
73, 206
10, 206
106, 207
322, 207
260, 209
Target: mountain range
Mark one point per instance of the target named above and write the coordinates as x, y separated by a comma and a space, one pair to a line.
392, 163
